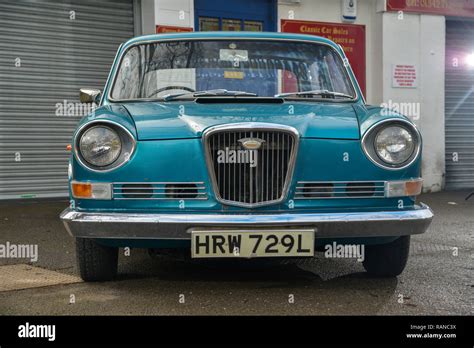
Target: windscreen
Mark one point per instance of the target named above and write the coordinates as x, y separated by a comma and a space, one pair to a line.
266, 68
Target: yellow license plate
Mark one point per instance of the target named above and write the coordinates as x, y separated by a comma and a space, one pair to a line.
252, 243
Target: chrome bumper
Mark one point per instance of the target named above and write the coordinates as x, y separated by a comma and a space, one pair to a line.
179, 226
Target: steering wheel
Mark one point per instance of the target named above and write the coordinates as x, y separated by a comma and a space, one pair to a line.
162, 89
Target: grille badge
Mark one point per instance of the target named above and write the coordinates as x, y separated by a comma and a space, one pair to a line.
252, 143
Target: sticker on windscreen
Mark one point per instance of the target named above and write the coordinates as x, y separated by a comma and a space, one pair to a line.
233, 55
234, 75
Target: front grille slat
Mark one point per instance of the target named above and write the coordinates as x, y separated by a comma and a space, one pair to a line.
251, 180
234, 186
251, 177
261, 170
159, 191
267, 154
273, 161
339, 189
282, 158
240, 178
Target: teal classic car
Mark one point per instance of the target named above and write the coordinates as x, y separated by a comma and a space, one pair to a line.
240, 145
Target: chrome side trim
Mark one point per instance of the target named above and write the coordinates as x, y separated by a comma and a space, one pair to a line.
179, 226
379, 124
251, 126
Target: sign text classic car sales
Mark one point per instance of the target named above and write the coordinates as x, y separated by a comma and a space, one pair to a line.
323, 30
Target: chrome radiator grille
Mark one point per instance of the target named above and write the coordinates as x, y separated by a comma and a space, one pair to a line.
251, 166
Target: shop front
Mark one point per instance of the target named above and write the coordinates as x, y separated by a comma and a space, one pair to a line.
458, 85
235, 15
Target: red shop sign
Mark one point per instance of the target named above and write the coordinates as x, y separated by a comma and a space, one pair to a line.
350, 36
163, 29
460, 8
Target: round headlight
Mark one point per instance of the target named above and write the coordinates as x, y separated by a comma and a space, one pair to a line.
394, 145
100, 146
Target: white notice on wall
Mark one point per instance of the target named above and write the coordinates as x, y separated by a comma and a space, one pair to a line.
404, 76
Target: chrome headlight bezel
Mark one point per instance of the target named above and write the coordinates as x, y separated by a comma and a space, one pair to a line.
128, 144
369, 143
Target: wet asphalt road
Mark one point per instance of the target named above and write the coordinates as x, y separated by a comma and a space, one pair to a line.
434, 282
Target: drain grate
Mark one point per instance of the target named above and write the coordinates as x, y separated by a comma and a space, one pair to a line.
21, 276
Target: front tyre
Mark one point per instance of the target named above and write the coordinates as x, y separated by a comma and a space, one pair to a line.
96, 262
387, 260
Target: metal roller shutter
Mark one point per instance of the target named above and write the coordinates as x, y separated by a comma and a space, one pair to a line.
48, 52
459, 105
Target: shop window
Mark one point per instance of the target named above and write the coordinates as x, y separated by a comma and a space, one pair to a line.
208, 24
228, 24
231, 25
253, 26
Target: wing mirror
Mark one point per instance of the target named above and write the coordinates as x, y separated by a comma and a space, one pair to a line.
89, 95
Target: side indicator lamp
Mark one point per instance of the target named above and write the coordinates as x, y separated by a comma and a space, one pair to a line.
403, 188
88, 190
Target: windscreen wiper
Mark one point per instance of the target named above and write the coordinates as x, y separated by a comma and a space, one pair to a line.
209, 93
320, 92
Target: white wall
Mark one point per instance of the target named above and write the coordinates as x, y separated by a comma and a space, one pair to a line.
432, 57
179, 13
419, 40
148, 17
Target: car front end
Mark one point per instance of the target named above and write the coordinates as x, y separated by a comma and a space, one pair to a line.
268, 150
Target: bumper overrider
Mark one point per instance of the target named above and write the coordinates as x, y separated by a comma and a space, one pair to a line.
179, 226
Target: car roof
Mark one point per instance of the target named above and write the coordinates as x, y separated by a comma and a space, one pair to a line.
230, 35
